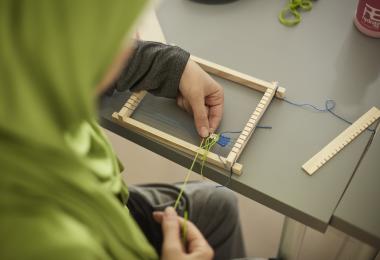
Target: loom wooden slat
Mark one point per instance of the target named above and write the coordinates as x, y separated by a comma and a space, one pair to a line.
238, 77
124, 112
174, 142
250, 127
130, 106
341, 141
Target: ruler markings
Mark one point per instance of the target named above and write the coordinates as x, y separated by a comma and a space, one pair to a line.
341, 141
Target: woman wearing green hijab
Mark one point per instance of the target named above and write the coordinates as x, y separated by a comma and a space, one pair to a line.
59, 180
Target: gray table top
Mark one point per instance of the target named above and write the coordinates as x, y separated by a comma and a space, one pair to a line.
324, 57
358, 213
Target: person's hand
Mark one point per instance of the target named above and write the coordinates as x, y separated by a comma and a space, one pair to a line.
202, 96
172, 247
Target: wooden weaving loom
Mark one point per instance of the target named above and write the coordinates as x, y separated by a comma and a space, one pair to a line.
151, 30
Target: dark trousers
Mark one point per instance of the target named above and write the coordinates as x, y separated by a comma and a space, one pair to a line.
213, 210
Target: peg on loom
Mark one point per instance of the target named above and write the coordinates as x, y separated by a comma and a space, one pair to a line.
251, 125
130, 106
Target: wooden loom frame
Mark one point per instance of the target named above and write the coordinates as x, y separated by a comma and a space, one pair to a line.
150, 30
123, 117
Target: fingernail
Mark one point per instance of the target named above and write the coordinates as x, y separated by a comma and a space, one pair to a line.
170, 212
204, 131
212, 130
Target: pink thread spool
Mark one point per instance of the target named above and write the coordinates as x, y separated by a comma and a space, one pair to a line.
367, 18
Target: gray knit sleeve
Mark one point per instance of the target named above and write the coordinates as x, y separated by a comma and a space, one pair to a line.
155, 67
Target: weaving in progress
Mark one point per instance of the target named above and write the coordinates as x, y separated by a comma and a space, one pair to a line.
123, 117
119, 143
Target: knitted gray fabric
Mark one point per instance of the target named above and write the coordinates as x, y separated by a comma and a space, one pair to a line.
155, 67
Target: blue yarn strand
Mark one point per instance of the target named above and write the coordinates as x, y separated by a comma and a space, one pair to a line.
330, 104
224, 140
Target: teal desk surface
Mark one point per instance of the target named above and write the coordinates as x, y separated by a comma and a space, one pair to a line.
322, 58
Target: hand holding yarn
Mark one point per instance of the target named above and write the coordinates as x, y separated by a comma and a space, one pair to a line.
172, 247
201, 96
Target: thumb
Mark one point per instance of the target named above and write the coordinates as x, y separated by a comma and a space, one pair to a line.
171, 231
200, 117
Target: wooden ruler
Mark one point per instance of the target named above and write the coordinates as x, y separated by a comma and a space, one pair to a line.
341, 141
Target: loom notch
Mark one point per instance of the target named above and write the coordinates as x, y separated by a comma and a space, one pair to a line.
341, 141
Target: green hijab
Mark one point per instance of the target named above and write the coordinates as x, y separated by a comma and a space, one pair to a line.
58, 174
